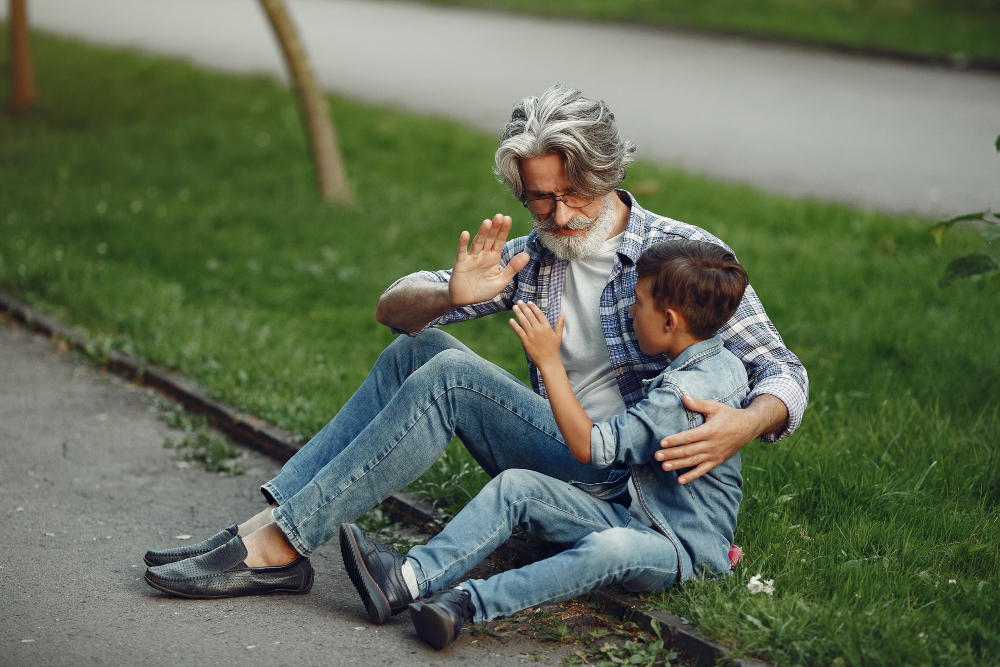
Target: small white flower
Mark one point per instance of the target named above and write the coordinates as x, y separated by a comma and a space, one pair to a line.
758, 585
953, 581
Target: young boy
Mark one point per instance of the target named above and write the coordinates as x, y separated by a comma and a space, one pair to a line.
670, 532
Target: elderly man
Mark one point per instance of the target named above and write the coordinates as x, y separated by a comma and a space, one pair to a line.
562, 156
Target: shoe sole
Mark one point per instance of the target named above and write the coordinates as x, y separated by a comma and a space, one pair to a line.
432, 624
203, 596
372, 596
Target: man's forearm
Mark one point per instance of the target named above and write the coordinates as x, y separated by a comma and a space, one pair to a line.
413, 304
770, 413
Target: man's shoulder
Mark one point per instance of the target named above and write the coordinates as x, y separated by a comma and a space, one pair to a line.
648, 228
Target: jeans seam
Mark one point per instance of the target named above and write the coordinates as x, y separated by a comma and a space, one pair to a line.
291, 533
590, 584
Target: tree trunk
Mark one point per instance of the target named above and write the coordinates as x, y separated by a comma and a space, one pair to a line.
22, 80
322, 137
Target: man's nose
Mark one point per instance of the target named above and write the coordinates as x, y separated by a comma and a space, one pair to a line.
563, 214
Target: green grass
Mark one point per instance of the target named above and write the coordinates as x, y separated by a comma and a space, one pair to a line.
172, 213
960, 29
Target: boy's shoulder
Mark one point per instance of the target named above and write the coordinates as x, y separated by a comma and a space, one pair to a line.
706, 370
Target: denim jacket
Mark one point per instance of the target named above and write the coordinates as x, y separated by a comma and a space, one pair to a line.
699, 517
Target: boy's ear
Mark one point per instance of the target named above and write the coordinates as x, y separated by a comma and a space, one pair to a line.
672, 321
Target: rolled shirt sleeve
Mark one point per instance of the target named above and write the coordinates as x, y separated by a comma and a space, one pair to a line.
501, 302
771, 367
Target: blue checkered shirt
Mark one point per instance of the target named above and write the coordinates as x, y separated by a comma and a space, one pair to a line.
750, 335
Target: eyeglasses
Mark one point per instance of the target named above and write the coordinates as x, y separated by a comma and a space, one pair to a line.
542, 206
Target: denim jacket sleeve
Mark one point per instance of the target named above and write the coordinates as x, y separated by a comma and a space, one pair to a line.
632, 437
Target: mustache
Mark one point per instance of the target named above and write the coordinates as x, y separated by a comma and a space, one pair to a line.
579, 222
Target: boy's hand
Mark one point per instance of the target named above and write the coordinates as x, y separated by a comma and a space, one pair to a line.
540, 341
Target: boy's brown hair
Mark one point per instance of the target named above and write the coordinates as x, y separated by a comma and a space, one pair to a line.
702, 281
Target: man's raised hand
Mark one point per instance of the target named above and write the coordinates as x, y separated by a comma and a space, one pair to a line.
477, 274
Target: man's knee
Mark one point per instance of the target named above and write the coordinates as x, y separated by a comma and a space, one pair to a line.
458, 367
412, 352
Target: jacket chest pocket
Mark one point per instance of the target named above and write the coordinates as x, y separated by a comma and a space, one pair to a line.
654, 472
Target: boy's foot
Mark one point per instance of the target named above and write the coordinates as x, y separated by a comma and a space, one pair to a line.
376, 572
439, 620
164, 556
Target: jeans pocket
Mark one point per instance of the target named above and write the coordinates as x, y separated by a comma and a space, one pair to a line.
611, 490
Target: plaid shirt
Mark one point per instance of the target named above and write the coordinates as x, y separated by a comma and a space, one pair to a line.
750, 335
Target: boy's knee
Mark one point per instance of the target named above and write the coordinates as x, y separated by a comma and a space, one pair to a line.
608, 544
514, 484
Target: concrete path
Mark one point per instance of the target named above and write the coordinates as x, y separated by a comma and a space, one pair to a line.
878, 134
86, 487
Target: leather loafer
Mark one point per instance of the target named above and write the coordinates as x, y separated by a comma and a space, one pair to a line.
164, 556
221, 573
375, 570
439, 620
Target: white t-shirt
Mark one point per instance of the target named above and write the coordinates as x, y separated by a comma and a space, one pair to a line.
584, 350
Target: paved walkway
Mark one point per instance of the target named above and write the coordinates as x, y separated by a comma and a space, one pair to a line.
880, 134
86, 487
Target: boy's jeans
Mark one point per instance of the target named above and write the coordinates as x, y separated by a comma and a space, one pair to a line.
421, 392
610, 546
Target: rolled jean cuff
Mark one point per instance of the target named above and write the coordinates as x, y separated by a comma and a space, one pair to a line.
290, 534
422, 584
272, 494
268, 494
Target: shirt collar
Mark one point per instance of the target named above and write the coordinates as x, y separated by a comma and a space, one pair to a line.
635, 230
696, 352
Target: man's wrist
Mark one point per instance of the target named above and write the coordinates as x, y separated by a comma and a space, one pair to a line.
768, 413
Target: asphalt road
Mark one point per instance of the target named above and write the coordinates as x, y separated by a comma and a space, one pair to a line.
86, 487
804, 122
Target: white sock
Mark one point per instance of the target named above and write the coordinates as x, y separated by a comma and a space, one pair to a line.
410, 577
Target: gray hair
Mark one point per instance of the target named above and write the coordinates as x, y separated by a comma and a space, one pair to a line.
563, 122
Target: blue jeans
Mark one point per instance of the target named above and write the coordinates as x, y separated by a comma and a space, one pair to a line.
421, 392
610, 546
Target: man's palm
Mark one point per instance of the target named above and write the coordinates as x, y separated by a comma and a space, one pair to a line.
477, 274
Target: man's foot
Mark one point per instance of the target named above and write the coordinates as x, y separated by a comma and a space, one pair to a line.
221, 573
439, 620
376, 572
164, 556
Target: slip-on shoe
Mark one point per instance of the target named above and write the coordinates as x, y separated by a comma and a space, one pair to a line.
439, 620
164, 556
376, 572
221, 573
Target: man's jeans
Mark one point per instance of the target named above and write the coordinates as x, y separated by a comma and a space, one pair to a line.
421, 392
611, 546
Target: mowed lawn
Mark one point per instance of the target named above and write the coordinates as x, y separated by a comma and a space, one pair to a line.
172, 213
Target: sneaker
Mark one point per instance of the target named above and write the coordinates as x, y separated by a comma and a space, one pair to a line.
439, 620
376, 572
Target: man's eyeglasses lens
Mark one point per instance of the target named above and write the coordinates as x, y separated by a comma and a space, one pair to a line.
544, 206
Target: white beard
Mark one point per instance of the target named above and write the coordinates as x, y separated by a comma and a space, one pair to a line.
584, 244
